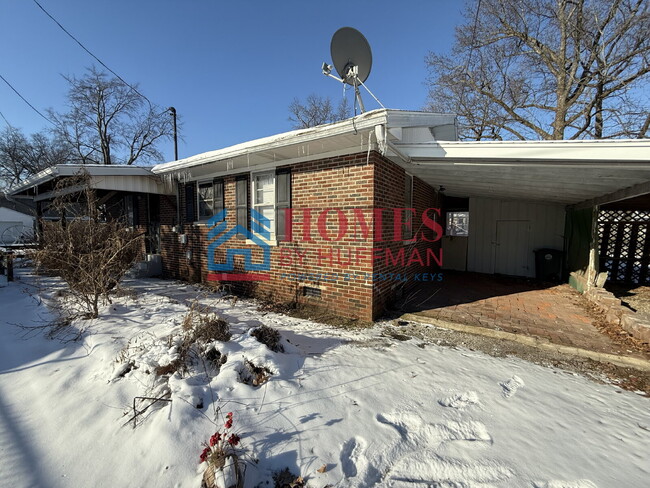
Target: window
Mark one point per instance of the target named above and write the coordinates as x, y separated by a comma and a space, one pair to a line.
457, 223
271, 193
210, 198
407, 226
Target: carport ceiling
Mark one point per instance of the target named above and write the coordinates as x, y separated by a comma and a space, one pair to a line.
566, 176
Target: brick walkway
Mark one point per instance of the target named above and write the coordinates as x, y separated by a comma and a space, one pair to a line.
553, 312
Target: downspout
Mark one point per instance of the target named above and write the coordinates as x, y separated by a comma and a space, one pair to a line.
381, 134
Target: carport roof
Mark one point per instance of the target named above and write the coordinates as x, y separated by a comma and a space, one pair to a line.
580, 173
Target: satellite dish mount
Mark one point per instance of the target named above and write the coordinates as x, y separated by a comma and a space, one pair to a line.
352, 59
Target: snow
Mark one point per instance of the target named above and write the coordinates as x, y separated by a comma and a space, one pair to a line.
376, 412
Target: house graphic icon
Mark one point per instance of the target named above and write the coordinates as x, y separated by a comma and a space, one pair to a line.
258, 235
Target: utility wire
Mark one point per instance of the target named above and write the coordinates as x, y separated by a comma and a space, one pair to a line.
24, 100
88, 51
5, 119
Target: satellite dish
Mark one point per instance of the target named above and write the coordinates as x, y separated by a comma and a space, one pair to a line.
352, 59
351, 55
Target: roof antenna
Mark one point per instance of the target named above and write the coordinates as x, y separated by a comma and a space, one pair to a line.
352, 59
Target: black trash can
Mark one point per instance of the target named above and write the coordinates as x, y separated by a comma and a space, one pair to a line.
548, 264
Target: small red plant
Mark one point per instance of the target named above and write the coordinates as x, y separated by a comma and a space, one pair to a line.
220, 444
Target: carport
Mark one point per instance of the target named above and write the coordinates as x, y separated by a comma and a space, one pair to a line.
523, 196
527, 195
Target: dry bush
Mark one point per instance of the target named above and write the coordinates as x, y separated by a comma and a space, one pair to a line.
90, 253
254, 375
200, 326
268, 336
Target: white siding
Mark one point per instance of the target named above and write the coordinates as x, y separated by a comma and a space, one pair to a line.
543, 226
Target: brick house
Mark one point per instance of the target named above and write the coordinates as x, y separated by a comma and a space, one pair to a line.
350, 215
335, 211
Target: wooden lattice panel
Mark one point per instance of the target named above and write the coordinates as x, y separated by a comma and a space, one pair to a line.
624, 245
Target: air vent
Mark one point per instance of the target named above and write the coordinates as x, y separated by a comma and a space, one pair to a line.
311, 292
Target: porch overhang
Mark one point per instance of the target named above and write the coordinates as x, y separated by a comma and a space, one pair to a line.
137, 179
570, 173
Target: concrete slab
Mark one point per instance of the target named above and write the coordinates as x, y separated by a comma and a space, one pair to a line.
554, 314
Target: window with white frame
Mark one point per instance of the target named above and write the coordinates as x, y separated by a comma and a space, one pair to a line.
264, 197
209, 198
271, 197
457, 223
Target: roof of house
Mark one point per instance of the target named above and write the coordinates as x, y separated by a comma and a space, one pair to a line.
350, 135
562, 172
106, 177
580, 173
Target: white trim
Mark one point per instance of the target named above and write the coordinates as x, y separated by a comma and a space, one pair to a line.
276, 164
253, 189
543, 153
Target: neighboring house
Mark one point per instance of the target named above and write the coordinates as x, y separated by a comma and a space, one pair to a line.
350, 215
16, 221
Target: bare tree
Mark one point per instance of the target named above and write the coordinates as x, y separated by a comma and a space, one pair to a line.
22, 157
109, 122
90, 252
316, 110
547, 69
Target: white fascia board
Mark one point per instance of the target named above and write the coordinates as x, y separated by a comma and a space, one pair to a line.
526, 152
38, 179
266, 166
361, 122
60, 170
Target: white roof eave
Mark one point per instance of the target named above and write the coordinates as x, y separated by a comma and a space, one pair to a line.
488, 152
58, 170
361, 122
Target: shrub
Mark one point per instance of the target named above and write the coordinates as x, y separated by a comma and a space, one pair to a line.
268, 336
90, 253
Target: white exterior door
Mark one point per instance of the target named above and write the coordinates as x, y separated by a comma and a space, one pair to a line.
512, 248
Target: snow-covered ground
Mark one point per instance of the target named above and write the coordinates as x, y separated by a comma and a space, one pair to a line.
372, 410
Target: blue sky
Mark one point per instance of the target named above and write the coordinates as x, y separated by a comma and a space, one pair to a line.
230, 68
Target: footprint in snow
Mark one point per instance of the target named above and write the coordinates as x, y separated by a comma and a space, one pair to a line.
349, 456
511, 386
460, 401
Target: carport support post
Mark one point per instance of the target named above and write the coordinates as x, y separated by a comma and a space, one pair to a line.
592, 269
581, 235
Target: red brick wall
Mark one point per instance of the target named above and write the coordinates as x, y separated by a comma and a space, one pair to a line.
342, 268
398, 266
